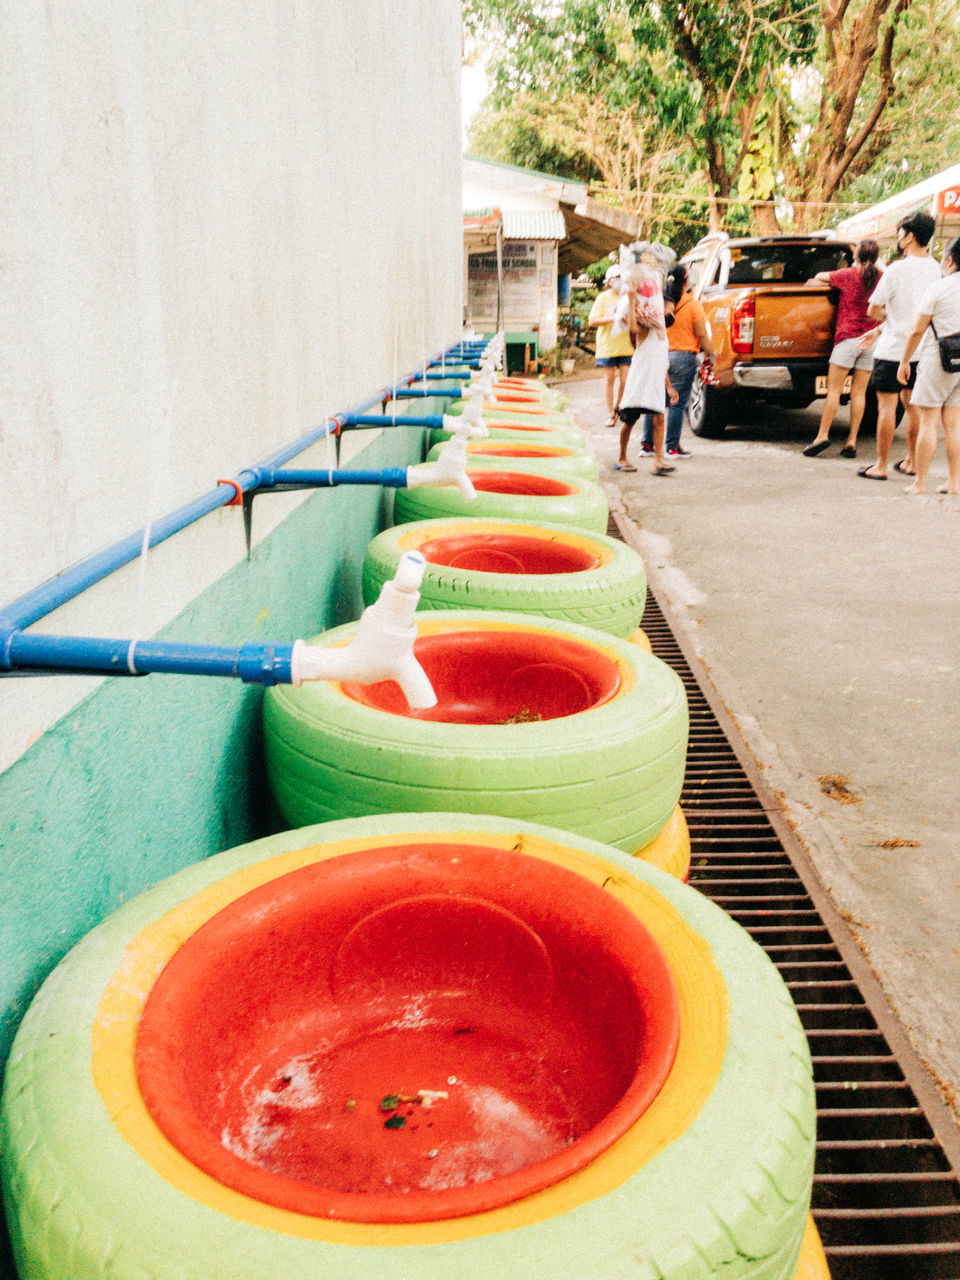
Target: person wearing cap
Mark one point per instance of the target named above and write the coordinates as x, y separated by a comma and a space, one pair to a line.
614, 349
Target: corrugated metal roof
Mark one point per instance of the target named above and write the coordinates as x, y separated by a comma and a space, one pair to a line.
534, 224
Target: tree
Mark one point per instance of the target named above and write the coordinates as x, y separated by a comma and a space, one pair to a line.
730, 50
570, 81
777, 103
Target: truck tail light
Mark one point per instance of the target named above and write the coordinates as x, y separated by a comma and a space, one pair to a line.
741, 328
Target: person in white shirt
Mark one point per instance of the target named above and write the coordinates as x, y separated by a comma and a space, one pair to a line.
895, 302
936, 394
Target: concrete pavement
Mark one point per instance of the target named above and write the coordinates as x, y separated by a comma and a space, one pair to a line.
827, 610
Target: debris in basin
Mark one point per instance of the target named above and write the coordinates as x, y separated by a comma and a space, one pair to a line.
524, 716
427, 1097
390, 1102
395, 1122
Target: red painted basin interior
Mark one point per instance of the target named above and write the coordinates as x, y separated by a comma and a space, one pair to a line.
497, 425
515, 395
280, 1045
519, 408
526, 483
506, 449
500, 677
507, 553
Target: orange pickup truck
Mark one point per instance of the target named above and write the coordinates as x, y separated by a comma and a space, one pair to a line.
772, 332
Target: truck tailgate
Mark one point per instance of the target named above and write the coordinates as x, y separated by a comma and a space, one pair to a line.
795, 322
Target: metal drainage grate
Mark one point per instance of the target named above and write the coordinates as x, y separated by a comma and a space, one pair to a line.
886, 1198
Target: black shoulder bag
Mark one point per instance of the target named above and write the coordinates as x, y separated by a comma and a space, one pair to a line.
949, 350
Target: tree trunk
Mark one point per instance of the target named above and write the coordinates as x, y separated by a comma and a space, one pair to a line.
765, 220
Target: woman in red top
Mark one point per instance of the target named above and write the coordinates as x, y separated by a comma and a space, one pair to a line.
855, 284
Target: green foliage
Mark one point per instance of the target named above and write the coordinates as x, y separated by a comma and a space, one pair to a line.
659, 102
597, 270
514, 135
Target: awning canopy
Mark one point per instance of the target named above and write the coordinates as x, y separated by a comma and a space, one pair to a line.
533, 224
593, 230
540, 206
939, 196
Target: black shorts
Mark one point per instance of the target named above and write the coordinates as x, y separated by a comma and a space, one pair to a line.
884, 377
631, 416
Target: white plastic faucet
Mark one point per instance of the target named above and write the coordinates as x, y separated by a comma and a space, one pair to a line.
480, 390
382, 646
469, 424
448, 468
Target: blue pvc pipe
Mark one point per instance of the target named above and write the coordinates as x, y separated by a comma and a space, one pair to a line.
72, 582
264, 663
392, 420
268, 663
429, 393
390, 477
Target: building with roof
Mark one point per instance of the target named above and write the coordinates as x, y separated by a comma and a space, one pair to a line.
524, 234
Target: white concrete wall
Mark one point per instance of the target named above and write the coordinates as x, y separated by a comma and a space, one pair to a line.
219, 222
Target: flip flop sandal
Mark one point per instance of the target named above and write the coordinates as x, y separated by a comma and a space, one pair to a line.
848, 451
664, 471
899, 466
865, 472
626, 466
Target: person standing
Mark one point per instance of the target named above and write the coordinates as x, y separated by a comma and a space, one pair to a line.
614, 350
936, 394
895, 302
648, 379
855, 284
687, 336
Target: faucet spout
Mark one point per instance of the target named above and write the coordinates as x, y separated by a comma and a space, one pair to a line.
448, 468
382, 646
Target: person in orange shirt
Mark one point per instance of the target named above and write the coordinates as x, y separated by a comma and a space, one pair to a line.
687, 336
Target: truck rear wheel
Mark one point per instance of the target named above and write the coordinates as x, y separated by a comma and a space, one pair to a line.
708, 411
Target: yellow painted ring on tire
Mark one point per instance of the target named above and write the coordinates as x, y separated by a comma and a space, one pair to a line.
670, 848
703, 1037
812, 1263
641, 640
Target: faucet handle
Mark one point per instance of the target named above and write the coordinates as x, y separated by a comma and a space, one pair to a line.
410, 570
469, 424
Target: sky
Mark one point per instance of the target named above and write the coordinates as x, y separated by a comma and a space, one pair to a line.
473, 89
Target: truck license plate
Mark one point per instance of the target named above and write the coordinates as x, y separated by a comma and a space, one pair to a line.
820, 386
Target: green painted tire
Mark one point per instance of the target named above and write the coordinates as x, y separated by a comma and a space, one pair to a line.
579, 503
560, 460
726, 1199
612, 772
609, 597
566, 437
531, 413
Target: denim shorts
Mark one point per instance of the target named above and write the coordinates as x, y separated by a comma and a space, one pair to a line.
611, 362
849, 356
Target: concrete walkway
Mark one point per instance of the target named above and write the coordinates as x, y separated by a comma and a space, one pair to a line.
827, 610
